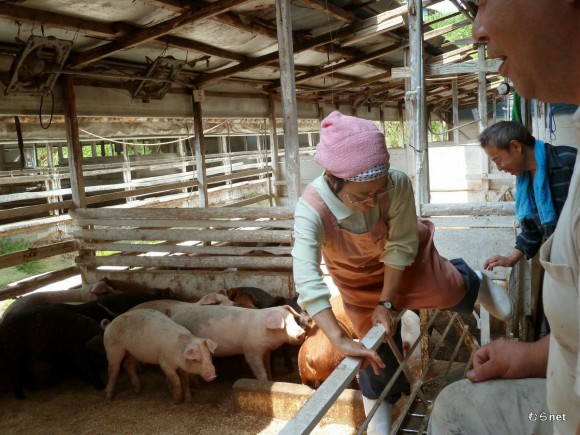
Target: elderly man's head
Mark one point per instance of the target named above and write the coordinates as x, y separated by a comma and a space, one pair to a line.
538, 42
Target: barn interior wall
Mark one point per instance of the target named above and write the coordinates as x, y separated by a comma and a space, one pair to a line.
103, 102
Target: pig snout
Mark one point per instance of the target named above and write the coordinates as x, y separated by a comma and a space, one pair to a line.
208, 372
296, 334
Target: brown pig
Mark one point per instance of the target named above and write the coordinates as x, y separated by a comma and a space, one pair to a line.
318, 357
239, 331
148, 336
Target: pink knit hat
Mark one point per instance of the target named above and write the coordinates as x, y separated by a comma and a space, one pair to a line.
349, 145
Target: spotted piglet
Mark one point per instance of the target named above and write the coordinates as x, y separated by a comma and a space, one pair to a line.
148, 336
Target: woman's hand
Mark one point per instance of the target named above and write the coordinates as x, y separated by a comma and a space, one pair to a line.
326, 321
350, 347
387, 318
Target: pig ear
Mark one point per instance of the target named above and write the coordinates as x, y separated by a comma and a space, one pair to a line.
192, 352
274, 320
211, 345
100, 288
208, 299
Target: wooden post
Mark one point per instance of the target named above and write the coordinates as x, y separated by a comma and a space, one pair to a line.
416, 96
455, 98
227, 160
382, 120
75, 155
199, 142
182, 158
274, 149
401, 125
127, 172
481, 88
289, 105
54, 182
20, 142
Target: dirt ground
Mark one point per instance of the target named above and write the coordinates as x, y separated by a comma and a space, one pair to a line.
74, 407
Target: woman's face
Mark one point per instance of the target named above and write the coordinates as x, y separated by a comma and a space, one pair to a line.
364, 195
511, 160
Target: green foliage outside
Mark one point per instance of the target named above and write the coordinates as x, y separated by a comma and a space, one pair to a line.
393, 134
455, 35
19, 272
140, 148
8, 246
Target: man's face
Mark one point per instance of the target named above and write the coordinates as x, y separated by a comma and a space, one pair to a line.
510, 160
533, 39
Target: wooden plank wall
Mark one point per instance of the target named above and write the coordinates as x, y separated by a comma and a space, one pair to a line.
192, 251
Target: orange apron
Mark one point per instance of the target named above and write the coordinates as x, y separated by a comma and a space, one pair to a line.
353, 263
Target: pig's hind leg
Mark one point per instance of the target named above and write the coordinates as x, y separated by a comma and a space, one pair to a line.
114, 358
130, 365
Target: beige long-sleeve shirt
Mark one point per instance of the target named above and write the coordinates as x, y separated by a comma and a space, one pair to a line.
400, 248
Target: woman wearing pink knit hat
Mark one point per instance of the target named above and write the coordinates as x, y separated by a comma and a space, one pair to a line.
360, 216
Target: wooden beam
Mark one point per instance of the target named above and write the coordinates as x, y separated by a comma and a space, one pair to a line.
445, 29
373, 31
331, 10
199, 142
179, 261
38, 281
150, 33
289, 105
108, 31
299, 47
274, 148
468, 67
75, 157
65, 22
348, 63
417, 97
32, 254
469, 209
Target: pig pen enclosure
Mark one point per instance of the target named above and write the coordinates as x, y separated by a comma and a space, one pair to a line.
198, 251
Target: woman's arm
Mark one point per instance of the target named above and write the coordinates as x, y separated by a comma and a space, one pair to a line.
313, 293
400, 248
326, 321
403, 235
388, 318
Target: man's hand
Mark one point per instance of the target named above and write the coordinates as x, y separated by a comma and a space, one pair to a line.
503, 261
510, 360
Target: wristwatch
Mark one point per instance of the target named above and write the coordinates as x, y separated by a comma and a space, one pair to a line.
387, 304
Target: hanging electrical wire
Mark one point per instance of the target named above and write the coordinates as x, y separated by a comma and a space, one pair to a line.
551, 120
51, 111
